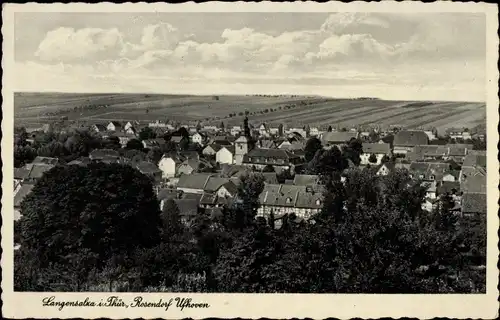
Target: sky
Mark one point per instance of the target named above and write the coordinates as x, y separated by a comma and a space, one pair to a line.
421, 56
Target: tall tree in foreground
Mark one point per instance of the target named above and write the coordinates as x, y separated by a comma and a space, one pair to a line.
78, 218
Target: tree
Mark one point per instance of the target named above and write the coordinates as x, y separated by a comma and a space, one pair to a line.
134, 144
330, 129
353, 150
184, 144
111, 142
78, 218
372, 158
146, 133
154, 155
268, 168
81, 143
246, 204
198, 126
23, 155
172, 225
312, 146
222, 126
183, 132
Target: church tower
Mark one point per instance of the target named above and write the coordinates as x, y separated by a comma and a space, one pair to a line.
240, 149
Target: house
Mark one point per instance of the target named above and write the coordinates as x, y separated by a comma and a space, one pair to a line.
210, 129
168, 165
305, 180
198, 138
176, 139
114, 126
230, 170
458, 152
211, 150
427, 152
337, 138
430, 189
279, 159
99, 128
473, 182
280, 199
123, 137
188, 209
451, 176
190, 166
19, 197
82, 161
31, 172
104, 155
131, 125
291, 146
225, 155
455, 133
270, 177
379, 150
45, 160
429, 171
449, 188
131, 131
267, 144
314, 131
153, 143
475, 160
264, 130
223, 140
385, 168
474, 204
193, 183
430, 204
235, 130
405, 141
149, 169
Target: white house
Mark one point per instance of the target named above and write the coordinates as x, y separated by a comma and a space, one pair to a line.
167, 166
225, 155
197, 138
385, 169
379, 150
235, 130
113, 126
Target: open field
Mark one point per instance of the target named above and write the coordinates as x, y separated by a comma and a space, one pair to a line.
32, 109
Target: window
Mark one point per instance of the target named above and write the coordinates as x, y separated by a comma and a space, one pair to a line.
318, 202
288, 200
432, 177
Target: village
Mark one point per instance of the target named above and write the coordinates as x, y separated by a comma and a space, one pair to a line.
199, 167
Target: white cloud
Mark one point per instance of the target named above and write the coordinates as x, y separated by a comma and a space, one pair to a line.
83, 45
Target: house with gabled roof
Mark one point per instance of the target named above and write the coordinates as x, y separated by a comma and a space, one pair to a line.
45, 160
190, 166
279, 159
114, 126
385, 168
211, 149
379, 150
225, 155
104, 155
406, 140
149, 169
153, 143
474, 204
99, 128
281, 199
193, 183
337, 138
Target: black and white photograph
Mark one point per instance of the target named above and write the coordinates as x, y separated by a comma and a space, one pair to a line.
326, 152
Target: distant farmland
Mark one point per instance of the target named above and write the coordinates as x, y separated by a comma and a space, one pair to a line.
32, 109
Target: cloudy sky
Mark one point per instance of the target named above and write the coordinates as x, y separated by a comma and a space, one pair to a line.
395, 56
